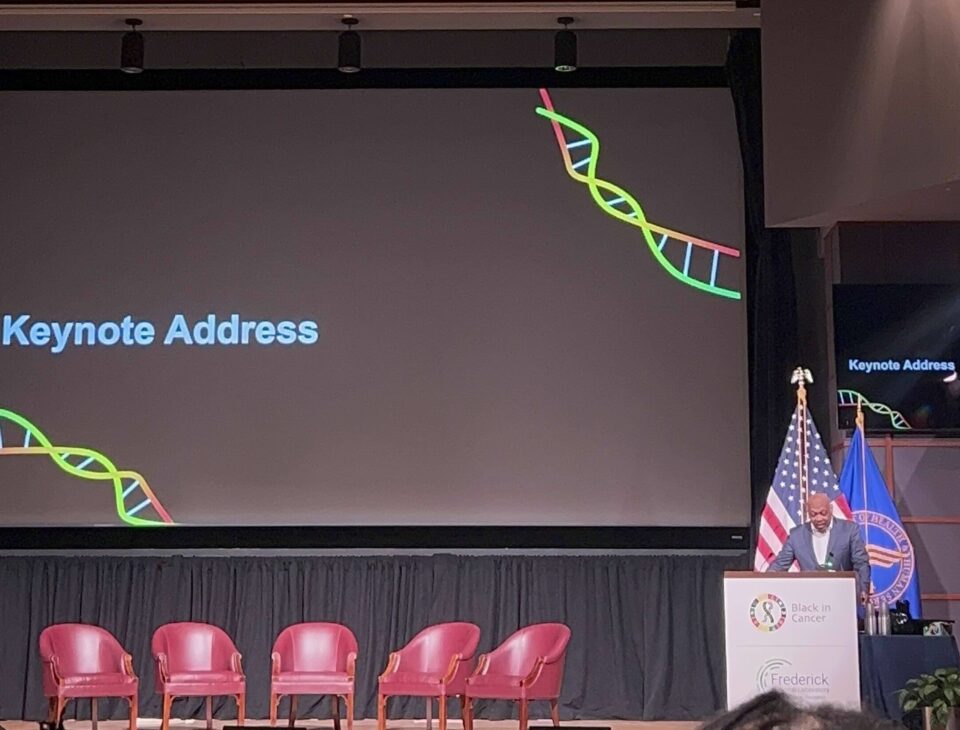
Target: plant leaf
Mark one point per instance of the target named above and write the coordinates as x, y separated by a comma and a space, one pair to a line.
909, 705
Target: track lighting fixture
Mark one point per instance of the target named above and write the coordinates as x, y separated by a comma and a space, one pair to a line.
131, 50
565, 47
348, 47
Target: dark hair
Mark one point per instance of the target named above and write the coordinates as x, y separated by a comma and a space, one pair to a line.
775, 710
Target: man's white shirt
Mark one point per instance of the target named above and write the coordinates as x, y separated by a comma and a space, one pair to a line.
820, 542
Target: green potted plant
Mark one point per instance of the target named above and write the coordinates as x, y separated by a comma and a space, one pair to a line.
937, 694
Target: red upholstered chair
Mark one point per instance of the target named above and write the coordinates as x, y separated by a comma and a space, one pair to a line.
435, 663
314, 659
527, 666
197, 660
80, 660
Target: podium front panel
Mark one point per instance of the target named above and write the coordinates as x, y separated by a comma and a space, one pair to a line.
793, 632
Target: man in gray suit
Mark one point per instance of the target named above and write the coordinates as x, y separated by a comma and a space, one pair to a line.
824, 543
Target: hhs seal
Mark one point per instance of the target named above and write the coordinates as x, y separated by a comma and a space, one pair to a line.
768, 612
891, 555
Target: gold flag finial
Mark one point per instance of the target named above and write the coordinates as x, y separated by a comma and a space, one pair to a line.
859, 411
800, 378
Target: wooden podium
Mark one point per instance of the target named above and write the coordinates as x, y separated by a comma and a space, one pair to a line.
793, 632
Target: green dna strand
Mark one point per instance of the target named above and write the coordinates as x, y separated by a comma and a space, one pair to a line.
136, 503
576, 139
849, 398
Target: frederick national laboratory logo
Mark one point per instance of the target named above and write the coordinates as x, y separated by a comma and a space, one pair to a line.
768, 612
779, 674
892, 561
769, 672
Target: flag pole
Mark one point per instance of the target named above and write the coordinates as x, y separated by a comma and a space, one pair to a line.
863, 471
801, 376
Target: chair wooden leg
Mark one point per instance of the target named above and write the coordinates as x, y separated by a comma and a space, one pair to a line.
133, 712
51, 710
241, 708
443, 712
209, 714
293, 710
274, 699
524, 714
555, 713
466, 708
381, 712
429, 712
348, 698
94, 713
336, 711
165, 719
59, 704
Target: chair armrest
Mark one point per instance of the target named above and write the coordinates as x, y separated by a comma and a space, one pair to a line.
483, 663
534, 673
127, 662
53, 664
352, 664
392, 663
162, 667
274, 664
452, 669
236, 663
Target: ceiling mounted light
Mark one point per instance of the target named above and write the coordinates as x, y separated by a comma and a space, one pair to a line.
565, 47
131, 50
348, 47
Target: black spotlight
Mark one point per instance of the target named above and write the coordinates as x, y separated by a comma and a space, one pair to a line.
565, 47
348, 49
131, 51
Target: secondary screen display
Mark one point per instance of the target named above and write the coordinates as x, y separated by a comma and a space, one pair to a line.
897, 351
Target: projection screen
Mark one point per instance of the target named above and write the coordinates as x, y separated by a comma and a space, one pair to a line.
372, 307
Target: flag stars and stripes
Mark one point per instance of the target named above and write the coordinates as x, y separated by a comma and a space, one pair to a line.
782, 511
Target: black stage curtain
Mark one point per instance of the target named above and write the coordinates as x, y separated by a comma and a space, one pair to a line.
772, 314
647, 630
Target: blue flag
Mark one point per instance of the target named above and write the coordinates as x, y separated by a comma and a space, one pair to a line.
893, 565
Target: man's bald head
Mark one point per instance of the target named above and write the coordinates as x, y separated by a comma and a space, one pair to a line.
818, 500
819, 511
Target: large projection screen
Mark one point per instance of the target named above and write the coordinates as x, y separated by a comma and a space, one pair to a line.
372, 307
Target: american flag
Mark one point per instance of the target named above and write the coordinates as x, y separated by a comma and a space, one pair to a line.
803, 460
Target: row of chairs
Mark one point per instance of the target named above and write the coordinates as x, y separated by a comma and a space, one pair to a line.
200, 660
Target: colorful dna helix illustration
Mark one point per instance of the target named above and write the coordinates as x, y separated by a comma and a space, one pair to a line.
576, 139
849, 398
137, 505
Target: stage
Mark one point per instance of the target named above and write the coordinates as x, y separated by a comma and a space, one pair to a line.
369, 724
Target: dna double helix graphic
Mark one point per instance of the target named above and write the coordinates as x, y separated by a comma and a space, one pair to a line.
849, 398
136, 503
576, 139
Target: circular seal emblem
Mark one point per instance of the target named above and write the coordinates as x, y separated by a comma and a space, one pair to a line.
892, 561
768, 612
